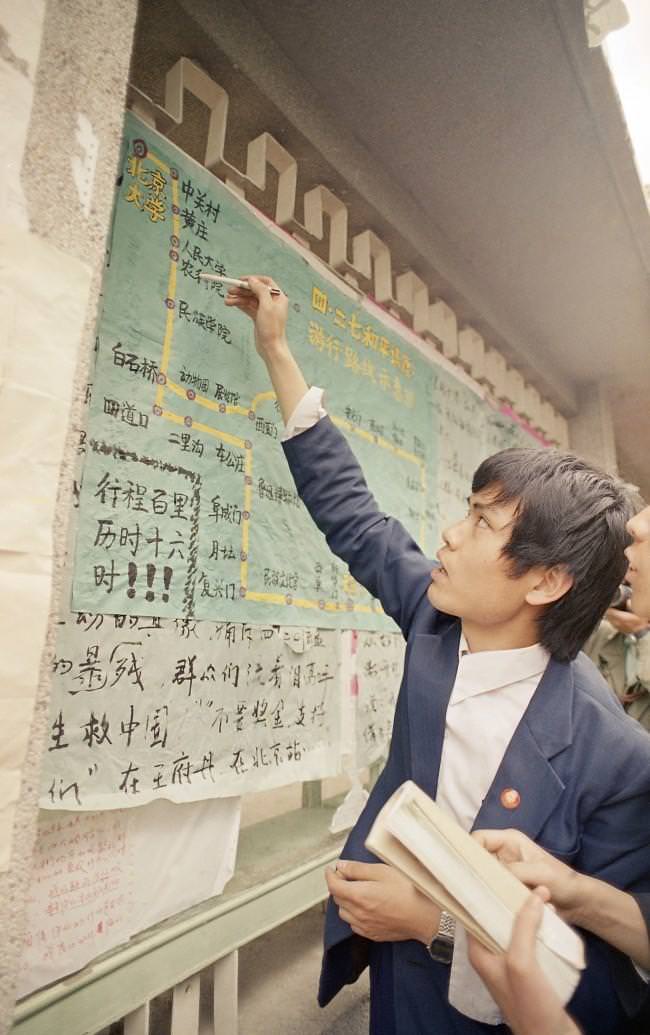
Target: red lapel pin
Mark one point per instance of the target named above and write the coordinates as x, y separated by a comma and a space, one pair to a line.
510, 798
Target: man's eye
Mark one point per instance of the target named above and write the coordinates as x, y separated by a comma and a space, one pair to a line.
482, 523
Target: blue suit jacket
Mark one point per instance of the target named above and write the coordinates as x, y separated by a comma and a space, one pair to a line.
581, 765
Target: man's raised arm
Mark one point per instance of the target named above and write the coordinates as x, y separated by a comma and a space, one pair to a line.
268, 311
382, 556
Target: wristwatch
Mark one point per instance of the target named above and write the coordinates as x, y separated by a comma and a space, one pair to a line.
442, 947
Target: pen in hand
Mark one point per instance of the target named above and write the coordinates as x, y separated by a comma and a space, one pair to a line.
235, 282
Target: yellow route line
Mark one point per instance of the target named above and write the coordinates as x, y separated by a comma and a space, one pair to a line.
202, 400
248, 505
330, 605
261, 397
230, 439
173, 387
376, 440
157, 161
210, 404
423, 483
171, 286
279, 598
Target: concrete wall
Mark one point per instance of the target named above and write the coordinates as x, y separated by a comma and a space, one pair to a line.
63, 74
591, 431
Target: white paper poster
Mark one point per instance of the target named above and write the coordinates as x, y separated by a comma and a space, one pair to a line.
101, 877
379, 664
149, 708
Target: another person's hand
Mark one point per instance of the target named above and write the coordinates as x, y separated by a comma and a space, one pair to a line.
626, 622
593, 904
380, 904
267, 311
516, 981
634, 695
534, 866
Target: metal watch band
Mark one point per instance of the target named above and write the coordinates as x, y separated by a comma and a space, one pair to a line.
447, 925
441, 948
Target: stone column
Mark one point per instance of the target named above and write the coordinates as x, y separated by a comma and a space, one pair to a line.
63, 76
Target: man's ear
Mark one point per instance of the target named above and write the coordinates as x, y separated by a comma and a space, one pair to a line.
552, 584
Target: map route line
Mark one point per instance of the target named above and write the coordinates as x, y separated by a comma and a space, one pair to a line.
217, 407
232, 440
171, 280
202, 400
377, 440
247, 447
248, 509
164, 382
319, 605
261, 397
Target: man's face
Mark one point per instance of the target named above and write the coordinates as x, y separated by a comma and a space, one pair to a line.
638, 554
474, 583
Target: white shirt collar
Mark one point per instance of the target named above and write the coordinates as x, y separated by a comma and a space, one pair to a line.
488, 670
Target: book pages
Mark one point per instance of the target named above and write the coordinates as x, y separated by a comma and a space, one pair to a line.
413, 834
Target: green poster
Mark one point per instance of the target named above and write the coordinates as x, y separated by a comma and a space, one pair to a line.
187, 507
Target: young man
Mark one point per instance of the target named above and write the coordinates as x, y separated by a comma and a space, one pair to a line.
620, 918
496, 718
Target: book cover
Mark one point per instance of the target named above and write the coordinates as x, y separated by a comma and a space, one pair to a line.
427, 845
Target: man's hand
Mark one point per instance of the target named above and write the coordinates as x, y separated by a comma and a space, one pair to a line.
268, 311
516, 981
380, 904
534, 866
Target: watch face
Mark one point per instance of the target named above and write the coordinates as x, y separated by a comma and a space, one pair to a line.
441, 949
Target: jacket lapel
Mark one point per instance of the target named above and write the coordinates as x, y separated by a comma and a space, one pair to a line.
431, 673
545, 729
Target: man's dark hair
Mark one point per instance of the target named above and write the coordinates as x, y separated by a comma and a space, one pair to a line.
568, 514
